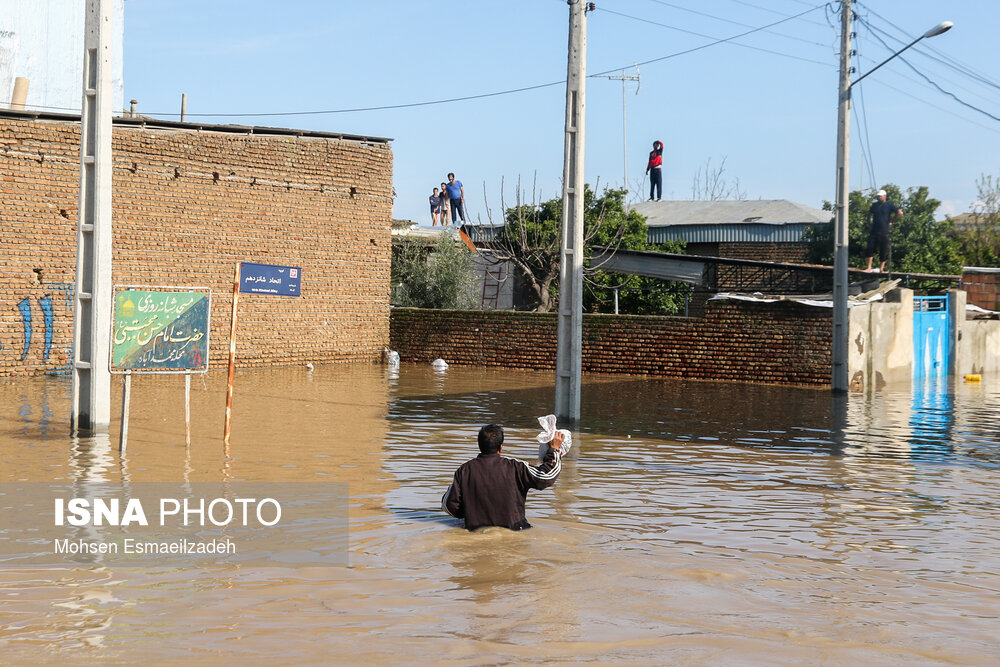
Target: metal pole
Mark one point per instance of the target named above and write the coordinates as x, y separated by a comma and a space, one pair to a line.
841, 228
624, 77
570, 314
184, 106
232, 355
187, 409
126, 405
91, 403
624, 147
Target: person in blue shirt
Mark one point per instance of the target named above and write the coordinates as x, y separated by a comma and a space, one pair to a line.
880, 217
456, 195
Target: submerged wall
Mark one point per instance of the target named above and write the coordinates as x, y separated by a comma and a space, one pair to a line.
880, 345
775, 343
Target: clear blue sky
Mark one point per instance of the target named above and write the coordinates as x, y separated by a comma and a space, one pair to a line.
766, 103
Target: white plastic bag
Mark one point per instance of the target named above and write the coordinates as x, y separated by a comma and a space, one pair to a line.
548, 424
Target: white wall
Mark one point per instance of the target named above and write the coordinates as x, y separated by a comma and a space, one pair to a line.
880, 350
42, 40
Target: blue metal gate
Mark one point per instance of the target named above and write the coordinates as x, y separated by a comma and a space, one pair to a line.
930, 336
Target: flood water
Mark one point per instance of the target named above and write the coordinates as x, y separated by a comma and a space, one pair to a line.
694, 523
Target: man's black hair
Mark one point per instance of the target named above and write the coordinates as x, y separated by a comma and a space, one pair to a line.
490, 438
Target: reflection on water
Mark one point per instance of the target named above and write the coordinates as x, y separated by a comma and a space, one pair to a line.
694, 523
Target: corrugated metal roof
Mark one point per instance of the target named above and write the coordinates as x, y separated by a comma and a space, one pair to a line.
745, 221
719, 233
748, 211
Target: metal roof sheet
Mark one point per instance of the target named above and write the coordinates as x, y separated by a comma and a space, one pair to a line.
746, 211
743, 233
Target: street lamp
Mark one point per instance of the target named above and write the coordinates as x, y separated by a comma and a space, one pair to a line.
840, 248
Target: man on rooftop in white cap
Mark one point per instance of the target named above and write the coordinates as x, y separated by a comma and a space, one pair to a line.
880, 217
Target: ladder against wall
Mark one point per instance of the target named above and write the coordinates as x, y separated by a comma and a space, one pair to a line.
495, 274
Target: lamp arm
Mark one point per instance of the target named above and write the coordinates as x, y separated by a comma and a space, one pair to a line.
885, 61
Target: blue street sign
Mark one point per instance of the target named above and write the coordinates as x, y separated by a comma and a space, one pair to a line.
270, 279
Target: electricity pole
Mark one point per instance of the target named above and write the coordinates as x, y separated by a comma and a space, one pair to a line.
570, 317
840, 247
92, 296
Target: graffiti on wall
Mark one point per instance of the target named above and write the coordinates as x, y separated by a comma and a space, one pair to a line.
46, 307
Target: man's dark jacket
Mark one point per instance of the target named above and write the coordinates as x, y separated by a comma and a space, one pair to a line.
490, 489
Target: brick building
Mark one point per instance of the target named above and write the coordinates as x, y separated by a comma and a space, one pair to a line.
189, 201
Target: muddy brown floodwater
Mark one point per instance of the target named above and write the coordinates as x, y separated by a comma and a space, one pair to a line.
694, 523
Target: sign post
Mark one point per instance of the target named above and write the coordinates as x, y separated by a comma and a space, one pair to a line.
254, 278
158, 330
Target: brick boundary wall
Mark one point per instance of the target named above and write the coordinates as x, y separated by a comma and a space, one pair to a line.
982, 287
786, 253
782, 343
188, 202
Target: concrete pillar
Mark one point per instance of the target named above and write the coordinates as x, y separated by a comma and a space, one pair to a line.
91, 410
956, 325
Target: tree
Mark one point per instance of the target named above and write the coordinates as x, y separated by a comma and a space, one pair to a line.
978, 233
441, 275
638, 295
531, 235
919, 243
712, 185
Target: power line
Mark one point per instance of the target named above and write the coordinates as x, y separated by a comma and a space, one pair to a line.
946, 60
864, 140
725, 20
930, 81
509, 91
934, 106
774, 11
715, 40
973, 92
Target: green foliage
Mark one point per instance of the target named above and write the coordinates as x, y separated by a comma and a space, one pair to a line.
438, 275
919, 243
608, 225
978, 233
531, 237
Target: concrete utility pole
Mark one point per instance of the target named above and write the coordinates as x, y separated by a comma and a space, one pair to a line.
570, 343
624, 77
841, 322
840, 243
92, 307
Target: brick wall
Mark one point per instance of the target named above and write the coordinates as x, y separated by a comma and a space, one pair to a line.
782, 343
982, 287
187, 204
786, 253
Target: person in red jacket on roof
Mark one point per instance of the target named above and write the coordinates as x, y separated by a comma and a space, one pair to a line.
655, 171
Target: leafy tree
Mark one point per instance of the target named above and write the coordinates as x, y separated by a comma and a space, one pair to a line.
978, 232
531, 239
438, 275
609, 226
919, 243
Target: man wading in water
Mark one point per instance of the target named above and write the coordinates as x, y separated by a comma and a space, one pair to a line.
490, 489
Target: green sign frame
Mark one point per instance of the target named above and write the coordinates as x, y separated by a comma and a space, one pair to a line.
160, 330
